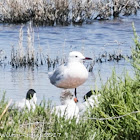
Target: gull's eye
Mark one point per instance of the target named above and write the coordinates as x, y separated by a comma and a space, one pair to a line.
76, 56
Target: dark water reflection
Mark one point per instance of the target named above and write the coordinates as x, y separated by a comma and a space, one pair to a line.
91, 39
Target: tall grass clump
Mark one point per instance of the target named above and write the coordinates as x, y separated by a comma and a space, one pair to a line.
23, 56
118, 115
64, 12
136, 55
26, 55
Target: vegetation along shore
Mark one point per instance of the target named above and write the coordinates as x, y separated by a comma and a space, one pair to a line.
64, 12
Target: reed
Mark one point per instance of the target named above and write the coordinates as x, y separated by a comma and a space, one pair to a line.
64, 12
30, 47
3, 57
20, 57
26, 56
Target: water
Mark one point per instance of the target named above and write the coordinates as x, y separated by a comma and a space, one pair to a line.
91, 39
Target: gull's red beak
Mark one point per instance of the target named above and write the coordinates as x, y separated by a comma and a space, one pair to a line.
75, 100
87, 58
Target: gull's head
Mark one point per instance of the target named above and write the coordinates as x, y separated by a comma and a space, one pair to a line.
76, 56
66, 96
31, 95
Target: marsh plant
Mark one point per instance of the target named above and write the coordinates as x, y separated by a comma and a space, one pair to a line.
3, 57
23, 55
64, 12
136, 54
117, 116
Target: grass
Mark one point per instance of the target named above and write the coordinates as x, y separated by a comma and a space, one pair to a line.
117, 117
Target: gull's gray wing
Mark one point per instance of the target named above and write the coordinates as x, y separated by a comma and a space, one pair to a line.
57, 75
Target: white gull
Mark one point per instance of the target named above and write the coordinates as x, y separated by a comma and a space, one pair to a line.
71, 75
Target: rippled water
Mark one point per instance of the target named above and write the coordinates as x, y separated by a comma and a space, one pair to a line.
91, 39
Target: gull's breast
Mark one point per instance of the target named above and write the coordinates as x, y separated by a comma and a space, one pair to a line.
74, 77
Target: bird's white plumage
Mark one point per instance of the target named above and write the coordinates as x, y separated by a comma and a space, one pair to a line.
71, 75
24, 103
91, 102
68, 109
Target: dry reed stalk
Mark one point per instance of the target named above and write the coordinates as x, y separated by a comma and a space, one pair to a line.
30, 46
18, 57
21, 49
6, 108
64, 12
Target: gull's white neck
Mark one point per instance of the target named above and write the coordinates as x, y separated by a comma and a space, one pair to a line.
69, 102
72, 60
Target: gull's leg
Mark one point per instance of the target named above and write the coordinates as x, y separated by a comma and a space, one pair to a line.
75, 93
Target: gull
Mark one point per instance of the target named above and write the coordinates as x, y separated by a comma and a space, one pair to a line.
71, 75
29, 101
68, 107
90, 101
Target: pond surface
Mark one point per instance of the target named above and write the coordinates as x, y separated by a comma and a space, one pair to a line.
91, 39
